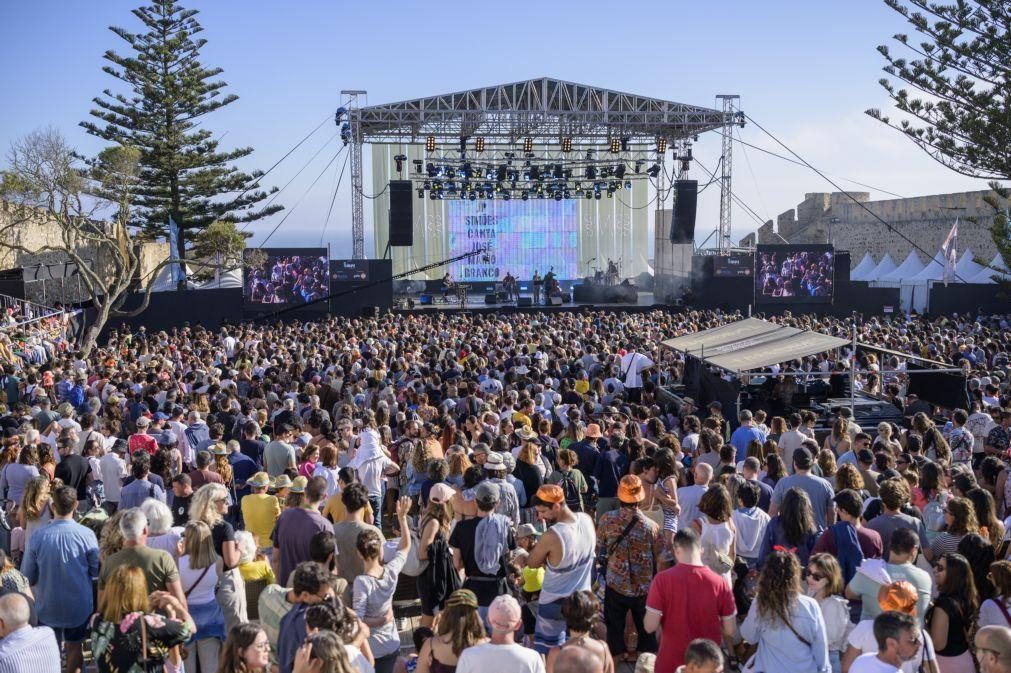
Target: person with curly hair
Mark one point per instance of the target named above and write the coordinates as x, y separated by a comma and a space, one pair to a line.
959, 521
950, 619
787, 626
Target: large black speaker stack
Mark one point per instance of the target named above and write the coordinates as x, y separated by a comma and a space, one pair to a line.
401, 213
682, 228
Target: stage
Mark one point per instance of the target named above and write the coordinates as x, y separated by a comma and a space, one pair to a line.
644, 301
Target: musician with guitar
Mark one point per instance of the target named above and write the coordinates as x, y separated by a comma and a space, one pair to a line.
447, 284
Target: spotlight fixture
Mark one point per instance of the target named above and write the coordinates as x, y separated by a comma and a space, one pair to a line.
638, 166
591, 173
653, 170
479, 145
417, 165
431, 169
628, 184
400, 159
528, 144
615, 145
661, 145
430, 144
566, 144
619, 171
421, 193
624, 144
596, 195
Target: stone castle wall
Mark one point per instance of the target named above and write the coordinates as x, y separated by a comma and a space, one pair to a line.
835, 218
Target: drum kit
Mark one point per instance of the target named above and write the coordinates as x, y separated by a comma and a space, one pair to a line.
609, 275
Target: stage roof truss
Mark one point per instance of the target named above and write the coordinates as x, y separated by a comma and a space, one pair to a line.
544, 109
751, 344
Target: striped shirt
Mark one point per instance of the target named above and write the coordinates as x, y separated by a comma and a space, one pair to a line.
29, 650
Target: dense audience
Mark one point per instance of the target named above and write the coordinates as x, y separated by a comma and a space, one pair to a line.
493, 492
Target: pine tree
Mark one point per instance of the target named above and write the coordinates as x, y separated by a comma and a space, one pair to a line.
183, 173
963, 70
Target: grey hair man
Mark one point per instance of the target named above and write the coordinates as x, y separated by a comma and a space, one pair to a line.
24, 649
159, 568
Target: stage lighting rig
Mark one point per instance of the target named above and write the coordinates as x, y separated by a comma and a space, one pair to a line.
619, 171
479, 145
418, 163
430, 144
566, 144
400, 159
661, 145
615, 145
653, 170
638, 167
528, 145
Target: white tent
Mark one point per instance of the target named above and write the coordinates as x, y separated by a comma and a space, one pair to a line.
163, 281
230, 279
866, 264
914, 293
883, 268
910, 266
966, 269
987, 274
934, 270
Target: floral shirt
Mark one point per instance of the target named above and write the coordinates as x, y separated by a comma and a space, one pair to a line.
999, 438
117, 647
631, 564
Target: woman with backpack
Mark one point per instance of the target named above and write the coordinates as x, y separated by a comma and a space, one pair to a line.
571, 479
433, 549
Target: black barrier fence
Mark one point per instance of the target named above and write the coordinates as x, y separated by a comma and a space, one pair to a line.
945, 389
969, 298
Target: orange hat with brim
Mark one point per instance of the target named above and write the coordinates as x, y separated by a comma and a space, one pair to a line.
898, 596
630, 489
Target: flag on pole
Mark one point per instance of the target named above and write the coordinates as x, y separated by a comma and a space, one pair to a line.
950, 249
176, 273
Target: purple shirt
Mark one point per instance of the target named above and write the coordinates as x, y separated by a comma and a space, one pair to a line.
292, 533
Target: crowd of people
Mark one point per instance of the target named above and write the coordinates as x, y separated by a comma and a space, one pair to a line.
288, 279
285, 496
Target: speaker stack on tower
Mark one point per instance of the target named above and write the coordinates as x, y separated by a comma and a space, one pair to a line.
401, 213
682, 228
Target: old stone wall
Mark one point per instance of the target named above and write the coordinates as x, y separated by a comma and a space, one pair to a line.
835, 218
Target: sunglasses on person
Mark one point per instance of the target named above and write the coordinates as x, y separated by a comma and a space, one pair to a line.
815, 575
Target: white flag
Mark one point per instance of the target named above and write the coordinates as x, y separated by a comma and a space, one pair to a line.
950, 250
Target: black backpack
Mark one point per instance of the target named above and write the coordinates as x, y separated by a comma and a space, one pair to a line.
573, 498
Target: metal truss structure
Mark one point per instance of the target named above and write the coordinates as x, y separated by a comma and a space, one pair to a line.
544, 110
731, 118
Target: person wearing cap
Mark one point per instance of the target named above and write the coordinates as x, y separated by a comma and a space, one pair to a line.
508, 501
460, 628
818, 490
526, 536
900, 565
434, 529
260, 511
501, 653
899, 597
141, 440
480, 546
993, 649
567, 552
633, 546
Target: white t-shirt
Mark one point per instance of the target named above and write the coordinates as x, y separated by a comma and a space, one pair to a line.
632, 364
358, 661
862, 638
198, 585
869, 663
489, 657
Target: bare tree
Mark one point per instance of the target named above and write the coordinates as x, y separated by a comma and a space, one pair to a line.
85, 209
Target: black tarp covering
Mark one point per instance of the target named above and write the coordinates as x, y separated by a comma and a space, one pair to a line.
945, 389
705, 386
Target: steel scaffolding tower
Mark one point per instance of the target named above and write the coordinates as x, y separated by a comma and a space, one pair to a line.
349, 99
730, 119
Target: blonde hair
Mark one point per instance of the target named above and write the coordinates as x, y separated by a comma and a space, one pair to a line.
199, 545
125, 592
37, 492
203, 507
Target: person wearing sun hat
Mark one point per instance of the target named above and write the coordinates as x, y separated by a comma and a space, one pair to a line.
260, 511
899, 596
566, 551
501, 653
633, 546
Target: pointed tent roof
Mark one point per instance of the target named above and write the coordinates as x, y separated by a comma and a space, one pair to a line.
934, 270
967, 268
232, 278
988, 273
884, 267
866, 264
910, 266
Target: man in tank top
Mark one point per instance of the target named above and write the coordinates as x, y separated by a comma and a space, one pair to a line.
566, 552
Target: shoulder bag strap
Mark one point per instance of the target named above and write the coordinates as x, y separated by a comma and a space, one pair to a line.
1003, 610
624, 534
799, 637
143, 642
194, 586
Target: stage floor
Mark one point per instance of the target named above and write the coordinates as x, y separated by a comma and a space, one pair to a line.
476, 304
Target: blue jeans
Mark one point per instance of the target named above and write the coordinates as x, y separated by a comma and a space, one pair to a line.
377, 510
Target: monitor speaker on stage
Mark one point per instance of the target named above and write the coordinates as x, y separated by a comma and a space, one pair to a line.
682, 228
491, 298
524, 301
555, 300
401, 213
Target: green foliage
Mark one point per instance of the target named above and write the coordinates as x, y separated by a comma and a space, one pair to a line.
163, 115
219, 246
957, 108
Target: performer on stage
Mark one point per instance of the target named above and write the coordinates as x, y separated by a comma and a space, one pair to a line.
509, 285
537, 287
447, 285
612, 272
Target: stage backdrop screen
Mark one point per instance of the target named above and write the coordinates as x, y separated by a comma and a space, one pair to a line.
519, 236
794, 274
733, 266
284, 276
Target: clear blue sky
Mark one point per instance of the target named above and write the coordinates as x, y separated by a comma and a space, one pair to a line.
805, 70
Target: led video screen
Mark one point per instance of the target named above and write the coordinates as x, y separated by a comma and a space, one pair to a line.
520, 237
284, 276
794, 274
733, 266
